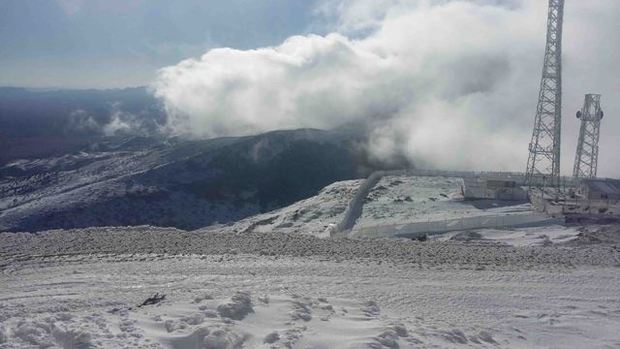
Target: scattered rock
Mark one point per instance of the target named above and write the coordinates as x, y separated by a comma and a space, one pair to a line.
171, 325
263, 299
210, 313
371, 309
233, 251
72, 338
4, 336
238, 308
388, 339
422, 238
400, 330
223, 339
206, 296
466, 236
195, 319
271, 338
34, 334
157, 298
327, 307
486, 337
301, 311
455, 336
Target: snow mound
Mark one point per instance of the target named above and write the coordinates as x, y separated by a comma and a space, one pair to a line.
535, 236
239, 307
314, 216
398, 199
51, 332
223, 339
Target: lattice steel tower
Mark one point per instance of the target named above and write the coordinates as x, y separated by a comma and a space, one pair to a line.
586, 160
543, 165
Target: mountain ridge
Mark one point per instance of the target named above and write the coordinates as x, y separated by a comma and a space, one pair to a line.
186, 184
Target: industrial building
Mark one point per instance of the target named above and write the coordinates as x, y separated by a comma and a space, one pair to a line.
493, 188
599, 189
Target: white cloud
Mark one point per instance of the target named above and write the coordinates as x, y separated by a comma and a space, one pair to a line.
451, 84
125, 123
81, 120
117, 122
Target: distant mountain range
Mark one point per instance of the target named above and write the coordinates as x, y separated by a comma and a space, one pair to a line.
120, 181
62, 167
48, 122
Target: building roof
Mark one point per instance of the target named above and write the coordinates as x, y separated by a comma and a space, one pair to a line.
605, 186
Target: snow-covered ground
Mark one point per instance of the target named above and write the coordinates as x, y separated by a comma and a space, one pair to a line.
187, 184
534, 236
400, 204
81, 289
312, 216
277, 280
408, 199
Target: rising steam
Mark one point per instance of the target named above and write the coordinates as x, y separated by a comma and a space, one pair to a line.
451, 84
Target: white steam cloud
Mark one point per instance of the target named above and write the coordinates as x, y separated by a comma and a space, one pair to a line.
451, 84
118, 122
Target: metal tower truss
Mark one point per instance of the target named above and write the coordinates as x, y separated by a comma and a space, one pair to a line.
586, 160
543, 165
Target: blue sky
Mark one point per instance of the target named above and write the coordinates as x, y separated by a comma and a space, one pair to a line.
116, 43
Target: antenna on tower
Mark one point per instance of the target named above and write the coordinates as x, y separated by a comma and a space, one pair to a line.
543, 165
586, 159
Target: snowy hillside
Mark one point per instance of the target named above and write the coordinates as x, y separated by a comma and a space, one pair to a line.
397, 203
314, 216
176, 183
397, 199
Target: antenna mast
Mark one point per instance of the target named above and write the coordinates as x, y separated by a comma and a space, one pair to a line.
543, 165
586, 159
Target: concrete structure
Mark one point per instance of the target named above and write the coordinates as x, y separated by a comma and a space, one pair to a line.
593, 200
599, 189
415, 229
543, 165
493, 188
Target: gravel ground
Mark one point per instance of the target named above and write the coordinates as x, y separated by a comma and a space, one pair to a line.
149, 240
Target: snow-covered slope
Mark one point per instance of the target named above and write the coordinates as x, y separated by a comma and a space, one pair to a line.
82, 289
399, 203
398, 199
176, 183
315, 216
